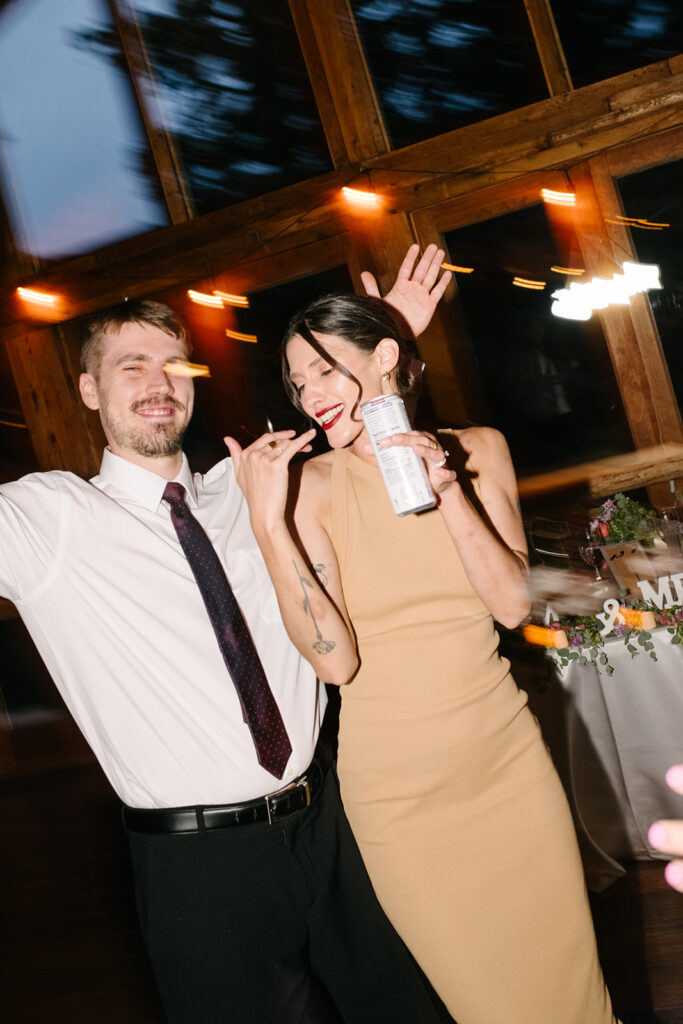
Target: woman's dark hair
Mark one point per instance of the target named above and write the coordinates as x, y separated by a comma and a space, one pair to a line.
363, 321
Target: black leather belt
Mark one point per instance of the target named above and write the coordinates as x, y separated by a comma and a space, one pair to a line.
273, 808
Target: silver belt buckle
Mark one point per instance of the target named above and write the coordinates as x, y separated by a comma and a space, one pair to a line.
303, 781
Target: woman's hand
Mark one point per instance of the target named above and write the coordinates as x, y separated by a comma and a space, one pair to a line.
667, 836
416, 291
428, 448
262, 471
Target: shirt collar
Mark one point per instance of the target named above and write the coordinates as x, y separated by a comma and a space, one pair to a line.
142, 485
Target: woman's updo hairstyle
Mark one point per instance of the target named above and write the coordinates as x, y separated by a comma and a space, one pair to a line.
363, 321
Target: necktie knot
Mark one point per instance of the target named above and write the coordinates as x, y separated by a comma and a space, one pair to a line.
174, 493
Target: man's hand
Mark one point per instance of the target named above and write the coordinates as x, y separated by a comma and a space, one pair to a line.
417, 289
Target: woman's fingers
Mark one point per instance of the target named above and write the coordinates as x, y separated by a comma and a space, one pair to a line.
674, 778
424, 445
667, 836
273, 445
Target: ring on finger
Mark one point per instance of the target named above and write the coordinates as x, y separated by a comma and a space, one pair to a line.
269, 445
432, 444
444, 460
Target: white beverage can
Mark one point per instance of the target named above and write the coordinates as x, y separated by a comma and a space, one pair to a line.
404, 473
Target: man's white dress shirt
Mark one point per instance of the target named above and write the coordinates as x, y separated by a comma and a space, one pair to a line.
98, 576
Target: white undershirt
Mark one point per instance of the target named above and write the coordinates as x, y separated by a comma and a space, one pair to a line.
98, 576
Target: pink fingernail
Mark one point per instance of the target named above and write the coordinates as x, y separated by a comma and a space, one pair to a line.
674, 776
673, 872
657, 835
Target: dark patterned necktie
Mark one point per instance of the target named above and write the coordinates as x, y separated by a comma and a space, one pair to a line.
259, 710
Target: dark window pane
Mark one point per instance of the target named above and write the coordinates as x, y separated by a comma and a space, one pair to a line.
245, 388
602, 38
441, 64
547, 383
231, 85
655, 195
69, 132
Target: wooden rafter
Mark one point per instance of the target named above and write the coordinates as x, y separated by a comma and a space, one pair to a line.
160, 141
549, 47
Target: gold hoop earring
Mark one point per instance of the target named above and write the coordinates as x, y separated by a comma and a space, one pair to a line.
386, 376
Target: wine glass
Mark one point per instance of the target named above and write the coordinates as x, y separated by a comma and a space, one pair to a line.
669, 526
592, 555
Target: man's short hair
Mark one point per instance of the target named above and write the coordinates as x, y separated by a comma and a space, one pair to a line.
111, 320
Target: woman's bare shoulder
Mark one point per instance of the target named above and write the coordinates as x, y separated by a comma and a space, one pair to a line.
314, 483
483, 444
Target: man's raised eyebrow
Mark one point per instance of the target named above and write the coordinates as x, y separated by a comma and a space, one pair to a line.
132, 357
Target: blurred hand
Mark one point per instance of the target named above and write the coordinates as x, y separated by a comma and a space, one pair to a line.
667, 835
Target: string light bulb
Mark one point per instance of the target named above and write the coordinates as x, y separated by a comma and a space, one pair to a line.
359, 197
556, 198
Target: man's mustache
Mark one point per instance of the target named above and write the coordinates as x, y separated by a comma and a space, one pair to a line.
147, 403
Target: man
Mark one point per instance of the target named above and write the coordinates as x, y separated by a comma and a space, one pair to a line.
252, 909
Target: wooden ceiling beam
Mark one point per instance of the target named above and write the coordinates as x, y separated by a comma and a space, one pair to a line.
549, 47
161, 144
340, 78
503, 148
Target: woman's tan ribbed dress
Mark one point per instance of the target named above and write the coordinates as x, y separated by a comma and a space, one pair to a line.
450, 790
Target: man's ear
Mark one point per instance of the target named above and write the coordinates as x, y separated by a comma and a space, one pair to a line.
88, 389
388, 352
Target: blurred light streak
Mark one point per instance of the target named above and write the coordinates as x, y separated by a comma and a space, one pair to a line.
202, 299
644, 221
549, 195
581, 299
632, 222
241, 337
38, 298
232, 300
360, 198
524, 282
456, 270
575, 271
181, 368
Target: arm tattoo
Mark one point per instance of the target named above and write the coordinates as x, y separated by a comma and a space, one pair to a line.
320, 645
320, 572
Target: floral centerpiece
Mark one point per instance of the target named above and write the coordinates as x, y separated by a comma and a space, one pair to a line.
586, 643
622, 519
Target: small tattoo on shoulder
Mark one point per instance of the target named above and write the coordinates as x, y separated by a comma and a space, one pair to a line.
320, 645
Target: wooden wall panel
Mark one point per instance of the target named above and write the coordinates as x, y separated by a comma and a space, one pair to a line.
62, 434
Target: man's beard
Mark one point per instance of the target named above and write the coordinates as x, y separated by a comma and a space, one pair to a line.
164, 439
159, 440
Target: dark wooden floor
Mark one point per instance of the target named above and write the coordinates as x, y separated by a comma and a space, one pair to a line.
70, 951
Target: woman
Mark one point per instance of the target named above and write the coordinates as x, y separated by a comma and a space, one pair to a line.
449, 788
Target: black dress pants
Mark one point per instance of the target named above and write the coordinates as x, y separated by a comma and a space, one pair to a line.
274, 924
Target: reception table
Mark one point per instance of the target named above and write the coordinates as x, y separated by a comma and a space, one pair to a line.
612, 738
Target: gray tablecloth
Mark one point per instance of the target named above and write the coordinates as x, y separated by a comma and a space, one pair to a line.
612, 738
